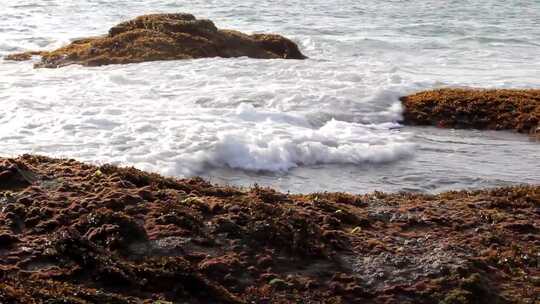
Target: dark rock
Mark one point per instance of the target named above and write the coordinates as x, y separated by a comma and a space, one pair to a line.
6, 239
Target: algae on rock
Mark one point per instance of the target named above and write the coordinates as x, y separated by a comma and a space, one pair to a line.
494, 109
164, 37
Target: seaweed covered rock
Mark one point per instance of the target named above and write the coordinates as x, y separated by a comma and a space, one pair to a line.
77, 233
165, 37
495, 109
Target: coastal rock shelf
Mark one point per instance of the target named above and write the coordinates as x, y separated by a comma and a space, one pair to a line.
77, 233
165, 37
495, 109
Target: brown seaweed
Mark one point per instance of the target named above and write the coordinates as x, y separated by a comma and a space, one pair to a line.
77, 233
164, 37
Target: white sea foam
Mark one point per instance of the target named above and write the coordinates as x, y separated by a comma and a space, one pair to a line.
270, 145
326, 123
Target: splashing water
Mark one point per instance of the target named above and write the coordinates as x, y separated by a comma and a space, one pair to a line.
326, 123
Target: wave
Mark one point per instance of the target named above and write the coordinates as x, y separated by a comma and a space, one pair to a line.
497, 40
261, 140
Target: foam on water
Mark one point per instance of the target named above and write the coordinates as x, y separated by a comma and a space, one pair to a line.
326, 123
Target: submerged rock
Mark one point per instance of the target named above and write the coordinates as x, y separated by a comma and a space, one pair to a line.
165, 37
495, 109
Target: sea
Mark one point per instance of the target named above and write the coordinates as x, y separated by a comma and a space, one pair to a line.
328, 123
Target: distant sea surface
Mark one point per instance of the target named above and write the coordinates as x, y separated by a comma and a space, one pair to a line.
329, 123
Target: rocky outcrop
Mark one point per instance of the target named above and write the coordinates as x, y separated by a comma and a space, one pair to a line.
76, 233
165, 37
496, 109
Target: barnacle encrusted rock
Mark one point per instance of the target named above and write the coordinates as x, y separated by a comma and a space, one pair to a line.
165, 37
495, 109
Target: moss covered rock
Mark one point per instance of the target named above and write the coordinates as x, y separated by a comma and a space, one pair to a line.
77, 233
165, 37
503, 109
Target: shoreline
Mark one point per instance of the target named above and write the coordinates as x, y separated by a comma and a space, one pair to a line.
83, 233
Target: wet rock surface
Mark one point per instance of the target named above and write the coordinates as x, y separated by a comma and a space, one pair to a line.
164, 37
76, 233
501, 109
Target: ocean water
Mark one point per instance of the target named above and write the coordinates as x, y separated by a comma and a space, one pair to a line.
329, 123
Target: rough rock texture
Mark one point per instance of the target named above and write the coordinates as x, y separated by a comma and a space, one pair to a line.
504, 109
165, 37
76, 233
